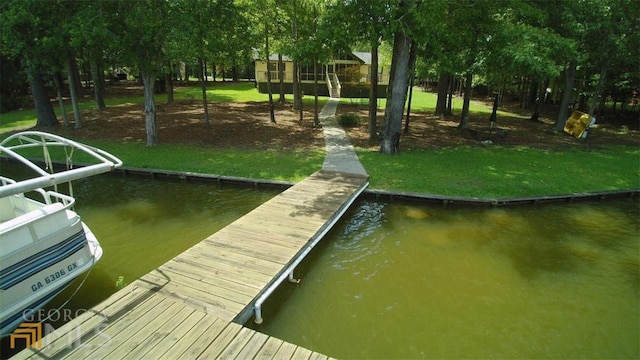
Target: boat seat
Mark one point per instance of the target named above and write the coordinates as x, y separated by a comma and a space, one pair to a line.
30, 216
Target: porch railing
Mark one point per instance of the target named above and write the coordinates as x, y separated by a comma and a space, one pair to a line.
288, 77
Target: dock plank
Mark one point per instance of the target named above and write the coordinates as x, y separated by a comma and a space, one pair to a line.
85, 326
252, 347
301, 353
196, 298
269, 349
196, 341
286, 351
318, 356
221, 341
167, 336
136, 344
235, 346
226, 271
199, 272
235, 259
195, 277
120, 329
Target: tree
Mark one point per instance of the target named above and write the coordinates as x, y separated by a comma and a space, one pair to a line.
29, 32
143, 36
89, 29
296, 86
479, 17
268, 21
204, 32
365, 21
391, 130
44, 109
569, 20
267, 54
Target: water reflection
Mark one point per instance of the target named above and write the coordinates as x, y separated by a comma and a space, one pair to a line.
406, 281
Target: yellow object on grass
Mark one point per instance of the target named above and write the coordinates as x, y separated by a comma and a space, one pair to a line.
578, 123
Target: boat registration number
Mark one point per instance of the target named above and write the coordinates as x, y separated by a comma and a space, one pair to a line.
54, 276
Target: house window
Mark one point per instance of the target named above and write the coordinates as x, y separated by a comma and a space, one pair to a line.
275, 66
274, 69
306, 72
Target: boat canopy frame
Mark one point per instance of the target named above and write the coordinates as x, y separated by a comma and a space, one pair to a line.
101, 161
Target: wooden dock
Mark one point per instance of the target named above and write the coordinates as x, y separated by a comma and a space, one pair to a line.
194, 305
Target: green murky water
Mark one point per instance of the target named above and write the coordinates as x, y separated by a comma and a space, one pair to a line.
399, 281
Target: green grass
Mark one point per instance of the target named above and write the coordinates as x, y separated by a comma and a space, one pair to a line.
504, 172
236, 92
271, 165
26, 118
426, 101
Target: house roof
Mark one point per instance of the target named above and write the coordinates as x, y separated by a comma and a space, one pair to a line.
363, 56
274, 57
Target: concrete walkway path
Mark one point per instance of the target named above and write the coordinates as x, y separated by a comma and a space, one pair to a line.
340, 153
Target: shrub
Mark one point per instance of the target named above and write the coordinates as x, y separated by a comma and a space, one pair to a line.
349, 120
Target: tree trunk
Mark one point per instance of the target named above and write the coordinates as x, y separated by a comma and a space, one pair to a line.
169, 77
563, 114
71, 64
533, 92
44, 109
148, 79
395, 107
297, 88
272, 114
443, 90
98, 88
596, 95
412, 72
316, 119
203, 86
464, 117
373, 93
450, 96
297, 91
539, 101
281, 78
203, 69
59, 84
74, 73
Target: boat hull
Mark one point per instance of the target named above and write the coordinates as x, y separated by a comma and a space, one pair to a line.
42, 271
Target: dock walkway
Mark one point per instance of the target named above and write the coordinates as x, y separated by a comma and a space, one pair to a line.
194, 305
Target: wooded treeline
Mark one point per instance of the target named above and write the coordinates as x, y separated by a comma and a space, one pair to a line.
577, 52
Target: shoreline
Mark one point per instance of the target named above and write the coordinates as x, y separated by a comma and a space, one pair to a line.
379, 194
376, 194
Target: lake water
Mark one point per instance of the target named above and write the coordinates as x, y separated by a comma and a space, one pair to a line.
397, 280
402, 281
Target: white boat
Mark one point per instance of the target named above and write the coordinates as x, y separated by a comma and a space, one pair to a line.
44, 245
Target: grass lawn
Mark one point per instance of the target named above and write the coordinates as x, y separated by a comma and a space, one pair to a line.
499, 172
270, 165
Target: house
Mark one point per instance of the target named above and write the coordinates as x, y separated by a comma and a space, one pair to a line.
348, 76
